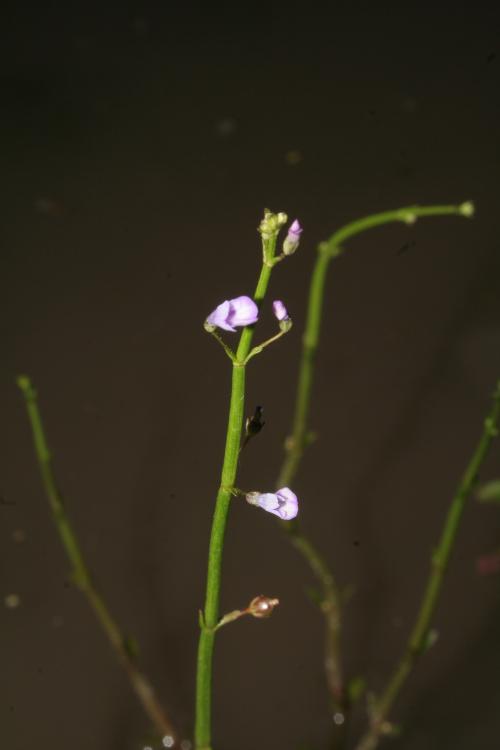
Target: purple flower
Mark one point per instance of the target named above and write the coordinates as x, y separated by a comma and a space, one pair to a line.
240, 311
292, 239
282, 503
279, 310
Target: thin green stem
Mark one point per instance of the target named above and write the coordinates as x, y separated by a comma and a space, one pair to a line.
227, 349
328, 250
260, 348
418, 639
300, 436
228, 477
80, 573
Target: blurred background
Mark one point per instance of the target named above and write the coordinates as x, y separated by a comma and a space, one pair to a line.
139, 145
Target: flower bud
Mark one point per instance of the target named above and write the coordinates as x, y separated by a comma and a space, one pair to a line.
467, 209
271, 224
262, 606
279, 310
281, 314
292, 239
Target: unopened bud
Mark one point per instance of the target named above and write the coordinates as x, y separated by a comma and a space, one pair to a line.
292, 239
262, 606
467, 209
281, 313
271, 224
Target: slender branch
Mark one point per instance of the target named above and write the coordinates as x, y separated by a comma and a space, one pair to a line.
80, 573
418, 640
226, 348
328, 250
228, 477
260, 348
298, 440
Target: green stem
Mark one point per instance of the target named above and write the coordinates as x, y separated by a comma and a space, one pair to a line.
299, 438
328, 250
80, 573
226, 348
418, 639
260, 348
228, 477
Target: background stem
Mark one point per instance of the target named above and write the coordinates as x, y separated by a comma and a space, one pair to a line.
297, 442
80, 573
417, 642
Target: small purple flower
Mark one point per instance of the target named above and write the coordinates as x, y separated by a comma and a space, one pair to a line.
279, 310
282, 503
292, 239
240, 311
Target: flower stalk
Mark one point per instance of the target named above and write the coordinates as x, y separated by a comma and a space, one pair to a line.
260, 607
269, 229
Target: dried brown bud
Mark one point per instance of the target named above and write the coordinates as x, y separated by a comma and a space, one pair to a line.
262, 606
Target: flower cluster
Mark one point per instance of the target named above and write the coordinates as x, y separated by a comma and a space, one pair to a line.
242, 311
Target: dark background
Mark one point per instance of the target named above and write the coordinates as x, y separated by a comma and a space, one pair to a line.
139, 146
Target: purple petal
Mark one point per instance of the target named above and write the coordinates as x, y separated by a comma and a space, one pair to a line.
279, 310
219, 317
295, 230
243, 311
289, 505
268, 501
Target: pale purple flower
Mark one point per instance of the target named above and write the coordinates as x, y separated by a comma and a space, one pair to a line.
240, 311
282, 503
279, 310
292, 239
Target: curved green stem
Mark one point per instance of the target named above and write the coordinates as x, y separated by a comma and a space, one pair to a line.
80, 573
328, 250
418, 640
228, 477
299, 438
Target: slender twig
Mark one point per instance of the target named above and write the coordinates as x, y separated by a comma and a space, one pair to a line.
80, 573
298, 440
260, 348
418, 640
226, 348
332, 248
210, 616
